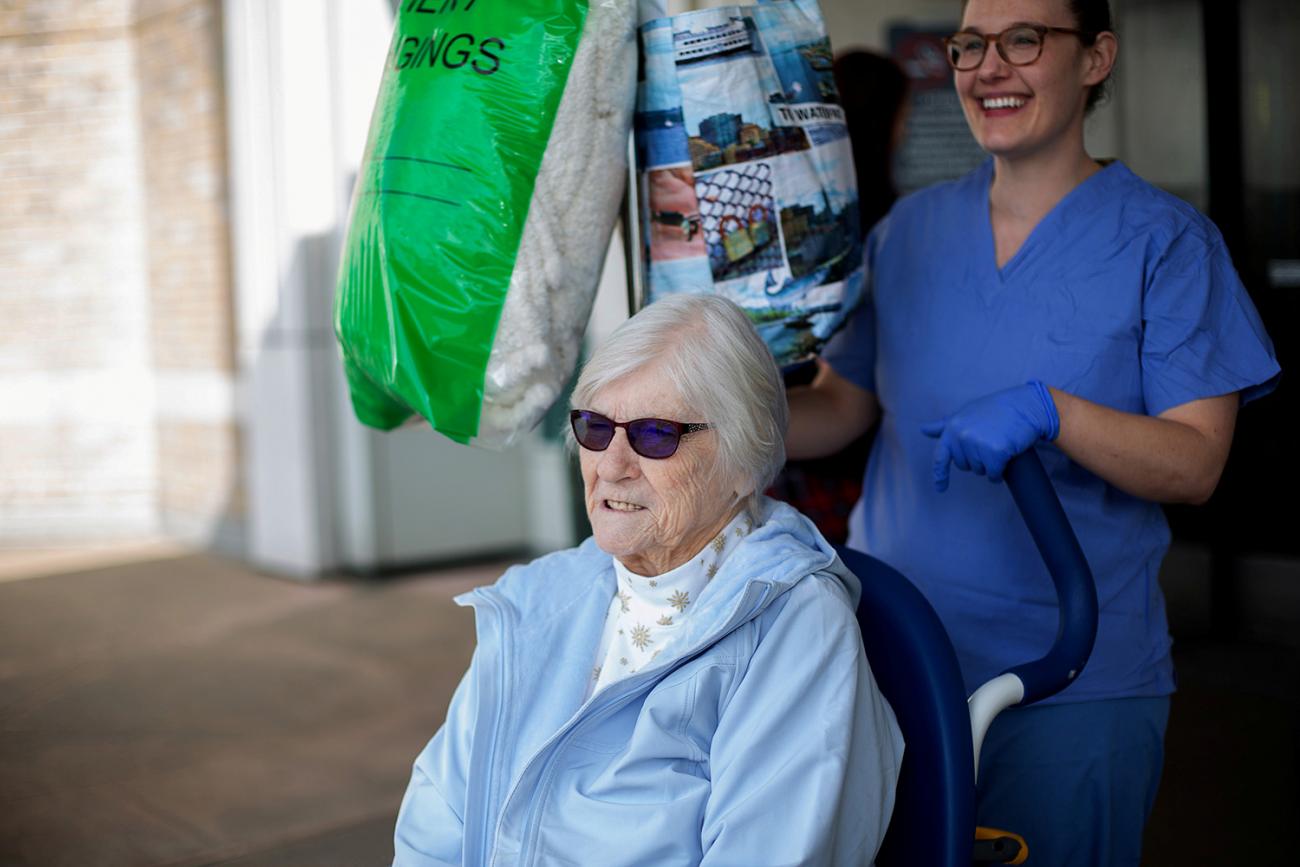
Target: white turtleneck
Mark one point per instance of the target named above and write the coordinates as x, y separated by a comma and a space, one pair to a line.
648, 611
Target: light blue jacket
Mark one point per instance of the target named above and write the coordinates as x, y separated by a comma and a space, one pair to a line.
760, 739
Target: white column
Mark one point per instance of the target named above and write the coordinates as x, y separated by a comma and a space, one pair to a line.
284, 216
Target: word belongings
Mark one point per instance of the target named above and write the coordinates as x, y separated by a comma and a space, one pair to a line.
439, 47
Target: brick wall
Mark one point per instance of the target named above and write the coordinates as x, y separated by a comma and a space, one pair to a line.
183, 139
76, 425
116, 397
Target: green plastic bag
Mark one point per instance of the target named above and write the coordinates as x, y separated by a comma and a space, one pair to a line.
491, 182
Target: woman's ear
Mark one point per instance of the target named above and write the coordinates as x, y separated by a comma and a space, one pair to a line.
741, 489
1101, 56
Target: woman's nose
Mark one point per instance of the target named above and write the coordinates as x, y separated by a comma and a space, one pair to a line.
618, 461
992, 65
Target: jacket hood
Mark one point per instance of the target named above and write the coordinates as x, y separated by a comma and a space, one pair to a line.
783, 548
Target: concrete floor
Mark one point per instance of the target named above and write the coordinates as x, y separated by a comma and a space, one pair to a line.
186, 711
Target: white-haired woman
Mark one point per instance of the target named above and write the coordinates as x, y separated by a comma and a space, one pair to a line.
688, 686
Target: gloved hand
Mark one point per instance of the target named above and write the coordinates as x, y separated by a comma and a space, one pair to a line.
985, 434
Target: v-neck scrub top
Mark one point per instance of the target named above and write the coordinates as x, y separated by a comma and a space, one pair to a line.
1123, 295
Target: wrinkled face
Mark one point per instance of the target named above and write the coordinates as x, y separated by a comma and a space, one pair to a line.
1017, 111
654, 515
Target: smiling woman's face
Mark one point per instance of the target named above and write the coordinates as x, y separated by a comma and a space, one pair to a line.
1017, 111
654, 515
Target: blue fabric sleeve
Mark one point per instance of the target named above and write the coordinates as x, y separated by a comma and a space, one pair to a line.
806, 752
1202, 336
431, 821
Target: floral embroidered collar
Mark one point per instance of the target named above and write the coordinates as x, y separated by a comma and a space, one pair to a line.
646, 610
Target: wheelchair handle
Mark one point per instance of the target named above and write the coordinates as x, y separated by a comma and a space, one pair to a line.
1076, 592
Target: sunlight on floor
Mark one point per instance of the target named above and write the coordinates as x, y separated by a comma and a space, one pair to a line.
21, 563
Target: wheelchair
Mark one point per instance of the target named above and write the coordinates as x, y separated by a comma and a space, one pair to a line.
916, 669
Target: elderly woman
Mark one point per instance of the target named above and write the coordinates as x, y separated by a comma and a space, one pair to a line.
688, 686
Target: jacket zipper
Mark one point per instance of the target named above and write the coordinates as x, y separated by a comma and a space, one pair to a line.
489, 824
587, 713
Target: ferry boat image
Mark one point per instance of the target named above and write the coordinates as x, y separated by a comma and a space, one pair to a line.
734, 37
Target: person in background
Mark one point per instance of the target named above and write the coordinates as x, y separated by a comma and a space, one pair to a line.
1054, 302
688, 686
873, 93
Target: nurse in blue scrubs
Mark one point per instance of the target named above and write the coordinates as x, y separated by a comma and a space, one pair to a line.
1048, 301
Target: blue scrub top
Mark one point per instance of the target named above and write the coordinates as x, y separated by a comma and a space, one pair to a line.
1123, 295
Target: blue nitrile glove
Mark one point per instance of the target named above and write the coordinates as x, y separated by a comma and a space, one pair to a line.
985, 434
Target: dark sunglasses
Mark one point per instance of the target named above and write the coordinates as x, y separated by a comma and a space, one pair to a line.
654, 438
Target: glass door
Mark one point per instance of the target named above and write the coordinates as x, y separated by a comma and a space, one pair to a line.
1253, 115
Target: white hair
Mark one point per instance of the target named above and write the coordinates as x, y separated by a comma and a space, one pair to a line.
708, 351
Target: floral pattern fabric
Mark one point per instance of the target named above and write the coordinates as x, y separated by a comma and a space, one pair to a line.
647, 611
